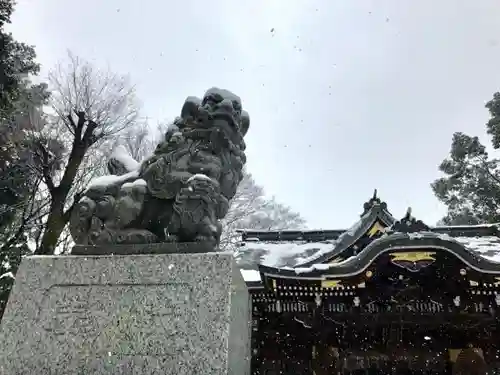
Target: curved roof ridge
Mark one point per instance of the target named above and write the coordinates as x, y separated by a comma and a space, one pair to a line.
387, 243
377, 212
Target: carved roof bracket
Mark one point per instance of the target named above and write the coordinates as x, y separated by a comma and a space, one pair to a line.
374, 201
409, 224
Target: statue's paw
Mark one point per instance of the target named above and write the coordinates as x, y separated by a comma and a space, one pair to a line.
204, 238
105, 207
135, 236
101, 235
170, 238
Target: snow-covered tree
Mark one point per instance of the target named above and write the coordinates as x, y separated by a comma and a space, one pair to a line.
470, 187
90, 107
20, 101
251, 209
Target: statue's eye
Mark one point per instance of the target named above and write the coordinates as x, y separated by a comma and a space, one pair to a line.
217, 98
209, 99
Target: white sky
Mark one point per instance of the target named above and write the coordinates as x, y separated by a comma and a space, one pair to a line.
344, 96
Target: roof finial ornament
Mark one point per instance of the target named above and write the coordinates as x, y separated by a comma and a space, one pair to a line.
373, 202
408, 213
408, 224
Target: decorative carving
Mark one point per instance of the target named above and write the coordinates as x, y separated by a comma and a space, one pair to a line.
374, 201
376, 230
181, 192
408, 224
413, 261
331, 284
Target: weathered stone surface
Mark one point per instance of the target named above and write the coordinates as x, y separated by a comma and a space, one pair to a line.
153, 248
169, 314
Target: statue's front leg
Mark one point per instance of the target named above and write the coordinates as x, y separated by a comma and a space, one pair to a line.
195, 207
211, 231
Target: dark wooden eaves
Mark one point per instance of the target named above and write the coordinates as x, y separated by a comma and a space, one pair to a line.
394, 242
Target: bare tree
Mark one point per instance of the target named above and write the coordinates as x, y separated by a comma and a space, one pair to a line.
251, 209
140, 140
90, 108
104, 97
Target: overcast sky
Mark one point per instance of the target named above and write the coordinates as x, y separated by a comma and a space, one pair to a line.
344, 96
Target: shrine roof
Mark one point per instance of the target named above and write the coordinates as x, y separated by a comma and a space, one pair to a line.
309, 248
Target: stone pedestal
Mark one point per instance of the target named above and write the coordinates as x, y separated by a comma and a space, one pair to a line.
168, 314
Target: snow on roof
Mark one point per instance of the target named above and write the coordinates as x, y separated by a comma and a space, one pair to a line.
468, 226
291, 254
285, 254
280, 254
487, 246
250, 275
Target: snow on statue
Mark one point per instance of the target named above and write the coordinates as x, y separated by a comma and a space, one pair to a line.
182, 191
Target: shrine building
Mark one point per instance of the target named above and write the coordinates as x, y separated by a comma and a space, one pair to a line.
386, 296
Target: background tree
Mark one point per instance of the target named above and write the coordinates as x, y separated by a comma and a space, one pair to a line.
470, 188
90, 108
251, 209
20, 106
141, 140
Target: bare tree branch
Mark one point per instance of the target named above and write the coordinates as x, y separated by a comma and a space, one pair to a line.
90, 107
104, 97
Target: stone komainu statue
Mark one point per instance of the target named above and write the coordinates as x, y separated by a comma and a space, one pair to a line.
181, 192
